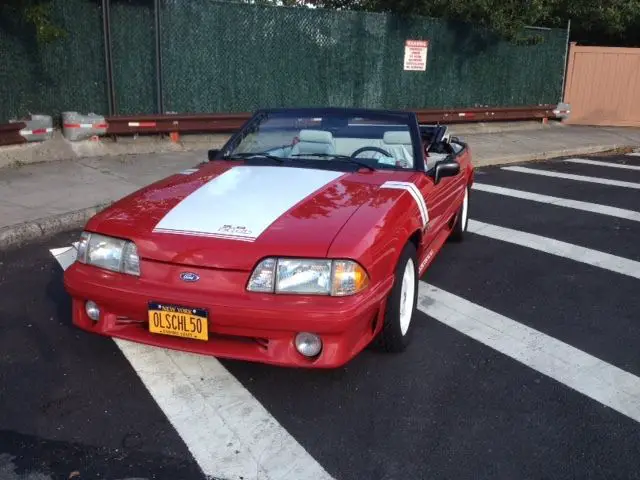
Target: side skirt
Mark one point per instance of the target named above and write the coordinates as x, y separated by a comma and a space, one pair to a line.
429, 252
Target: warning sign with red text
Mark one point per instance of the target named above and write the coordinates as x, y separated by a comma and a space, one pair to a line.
415, 55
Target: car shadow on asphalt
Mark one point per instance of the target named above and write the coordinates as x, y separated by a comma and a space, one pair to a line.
57, 295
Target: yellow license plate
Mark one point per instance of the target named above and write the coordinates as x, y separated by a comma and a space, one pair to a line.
178, 321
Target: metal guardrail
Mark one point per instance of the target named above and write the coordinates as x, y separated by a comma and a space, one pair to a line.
487, 114
229, 123
179, 123
10, 133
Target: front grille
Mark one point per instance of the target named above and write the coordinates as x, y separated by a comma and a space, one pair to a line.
121, 320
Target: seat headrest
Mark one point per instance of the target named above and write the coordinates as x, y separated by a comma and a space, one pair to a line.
397, 138
315, 136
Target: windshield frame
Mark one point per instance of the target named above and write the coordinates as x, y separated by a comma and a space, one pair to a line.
398, 116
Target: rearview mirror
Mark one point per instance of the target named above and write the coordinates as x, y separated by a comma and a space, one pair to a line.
212, 154
447, 168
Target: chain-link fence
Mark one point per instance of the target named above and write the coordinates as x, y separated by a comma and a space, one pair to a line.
68, 74
133, 54
229, 57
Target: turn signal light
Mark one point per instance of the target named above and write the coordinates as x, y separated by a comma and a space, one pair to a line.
349, 278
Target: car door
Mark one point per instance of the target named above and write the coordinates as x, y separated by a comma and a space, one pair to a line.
442, 199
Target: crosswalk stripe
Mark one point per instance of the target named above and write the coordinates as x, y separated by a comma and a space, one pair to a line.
598, 163
557, 247
570, 176
588, 375
561, 202
228, 432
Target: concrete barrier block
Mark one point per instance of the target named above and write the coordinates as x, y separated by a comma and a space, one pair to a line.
39, 128
76, 126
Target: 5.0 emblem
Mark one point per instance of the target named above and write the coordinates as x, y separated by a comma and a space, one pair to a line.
189, 277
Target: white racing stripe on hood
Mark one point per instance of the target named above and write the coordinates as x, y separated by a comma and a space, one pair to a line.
241, 203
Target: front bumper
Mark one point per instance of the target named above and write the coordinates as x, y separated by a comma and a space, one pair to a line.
245, 326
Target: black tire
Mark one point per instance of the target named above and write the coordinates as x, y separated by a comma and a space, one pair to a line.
391, 338
462, 219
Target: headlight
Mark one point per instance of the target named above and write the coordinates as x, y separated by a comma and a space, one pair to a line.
308, 276
303, 276
110, 253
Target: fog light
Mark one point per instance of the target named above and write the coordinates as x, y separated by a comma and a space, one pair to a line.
308, 344
93, 312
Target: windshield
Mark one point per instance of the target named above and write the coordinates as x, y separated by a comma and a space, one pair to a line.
376, 141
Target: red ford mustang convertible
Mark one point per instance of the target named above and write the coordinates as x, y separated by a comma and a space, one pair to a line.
299, 243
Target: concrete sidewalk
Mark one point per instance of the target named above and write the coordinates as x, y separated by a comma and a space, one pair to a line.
42, 199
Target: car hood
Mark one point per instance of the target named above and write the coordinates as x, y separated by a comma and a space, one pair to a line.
229, 216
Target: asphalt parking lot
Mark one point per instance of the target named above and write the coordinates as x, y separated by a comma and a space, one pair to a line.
525, 363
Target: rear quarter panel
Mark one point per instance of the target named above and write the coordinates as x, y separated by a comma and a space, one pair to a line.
466, 164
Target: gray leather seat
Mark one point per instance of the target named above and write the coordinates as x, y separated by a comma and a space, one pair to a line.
313, 142
399, 145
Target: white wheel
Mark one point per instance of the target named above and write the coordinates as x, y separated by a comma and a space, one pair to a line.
460, 227
465, 209
407, 294
397, 329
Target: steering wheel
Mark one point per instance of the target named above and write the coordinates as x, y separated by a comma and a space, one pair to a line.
375, 149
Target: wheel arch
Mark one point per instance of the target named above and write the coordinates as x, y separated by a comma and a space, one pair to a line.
411, 233
416, 238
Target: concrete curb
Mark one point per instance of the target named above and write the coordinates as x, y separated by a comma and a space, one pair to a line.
59, 148
538, 156
16, 235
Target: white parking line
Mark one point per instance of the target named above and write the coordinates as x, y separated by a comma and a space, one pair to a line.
556, 247
65, 255
602, 164
570, 176
580, 371
561, 202
634, 154
228, 432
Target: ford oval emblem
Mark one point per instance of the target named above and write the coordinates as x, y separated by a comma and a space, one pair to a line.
189, 277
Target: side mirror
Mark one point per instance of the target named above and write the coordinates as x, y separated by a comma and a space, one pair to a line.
212, 154
454, 139
446, 168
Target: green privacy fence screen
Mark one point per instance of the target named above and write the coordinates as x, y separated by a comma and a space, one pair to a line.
133, 44
230, 57
68, 74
